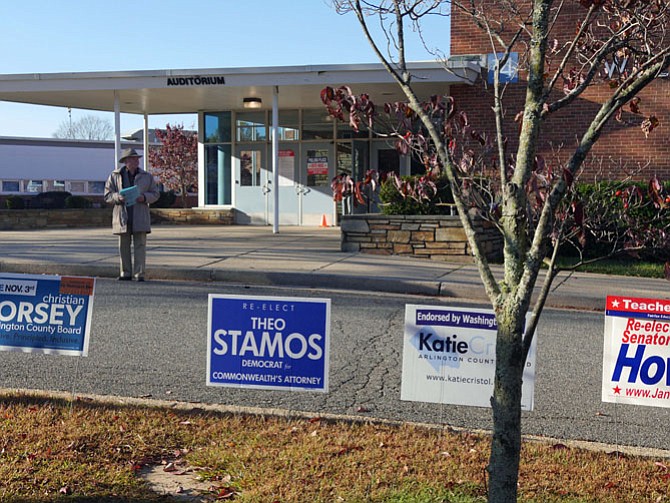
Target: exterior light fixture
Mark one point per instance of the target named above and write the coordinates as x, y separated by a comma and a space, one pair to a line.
252, 102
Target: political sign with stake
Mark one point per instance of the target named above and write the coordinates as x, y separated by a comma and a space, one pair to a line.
45, 314
636, 351
278, 343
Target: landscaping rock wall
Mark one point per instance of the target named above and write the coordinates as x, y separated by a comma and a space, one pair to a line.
431, 236
102, 217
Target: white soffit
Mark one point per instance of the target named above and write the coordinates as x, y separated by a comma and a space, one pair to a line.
188, 91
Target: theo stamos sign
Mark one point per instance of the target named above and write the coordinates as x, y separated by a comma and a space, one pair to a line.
45, 314
278, 343
449, 357
636, 352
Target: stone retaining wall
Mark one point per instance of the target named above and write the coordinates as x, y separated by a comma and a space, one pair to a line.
430, 236
193, 216
102, 217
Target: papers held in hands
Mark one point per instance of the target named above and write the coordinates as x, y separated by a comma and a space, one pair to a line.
130, 194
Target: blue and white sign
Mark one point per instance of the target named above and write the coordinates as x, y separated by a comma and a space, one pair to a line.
449, 356
508, 73
45, 314
278, 343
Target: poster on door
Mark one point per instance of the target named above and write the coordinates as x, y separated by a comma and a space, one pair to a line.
636, 351
317, 168
286, 168
45, 314
449, 356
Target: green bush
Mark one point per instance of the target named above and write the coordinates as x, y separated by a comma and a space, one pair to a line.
395, 203
50, 200
15, 203
77, 202
620, 209
165, 200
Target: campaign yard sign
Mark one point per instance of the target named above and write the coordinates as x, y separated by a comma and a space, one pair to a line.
636, 352
45, 314
278, 343
449, 357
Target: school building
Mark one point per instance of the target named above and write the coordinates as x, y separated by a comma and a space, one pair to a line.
268, 150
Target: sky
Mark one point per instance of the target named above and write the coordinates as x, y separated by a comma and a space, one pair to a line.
46, 36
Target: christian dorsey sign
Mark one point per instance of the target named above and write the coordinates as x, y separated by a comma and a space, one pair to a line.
45, 314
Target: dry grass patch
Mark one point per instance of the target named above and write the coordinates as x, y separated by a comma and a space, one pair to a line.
50, 451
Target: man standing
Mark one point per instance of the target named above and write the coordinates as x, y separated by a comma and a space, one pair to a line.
131, 219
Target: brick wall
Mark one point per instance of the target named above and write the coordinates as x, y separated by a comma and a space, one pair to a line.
421, 236
622, 146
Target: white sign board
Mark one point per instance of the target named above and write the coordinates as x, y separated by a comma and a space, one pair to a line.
636, 351
449, 357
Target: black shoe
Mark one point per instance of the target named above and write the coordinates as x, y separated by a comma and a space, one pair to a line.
140, 280
124, 278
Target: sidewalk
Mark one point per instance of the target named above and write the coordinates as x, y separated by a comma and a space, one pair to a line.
296, 256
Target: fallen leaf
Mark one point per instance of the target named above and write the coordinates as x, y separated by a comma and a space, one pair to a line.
559, 447
362, 409
65, 490
314, 419
169, 468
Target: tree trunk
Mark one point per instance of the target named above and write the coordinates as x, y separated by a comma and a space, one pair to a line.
506, 402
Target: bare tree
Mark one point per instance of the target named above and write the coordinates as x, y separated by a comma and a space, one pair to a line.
525, 198
89, 127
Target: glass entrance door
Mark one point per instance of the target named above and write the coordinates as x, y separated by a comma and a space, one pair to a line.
252, 184
317, 170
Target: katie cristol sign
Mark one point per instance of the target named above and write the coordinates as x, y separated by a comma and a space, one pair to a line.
636, 353
268, 342
449, 356
45, 314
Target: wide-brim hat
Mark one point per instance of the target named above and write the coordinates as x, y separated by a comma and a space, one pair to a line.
129, 152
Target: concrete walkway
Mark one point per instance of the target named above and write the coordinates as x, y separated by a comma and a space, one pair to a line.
296, 256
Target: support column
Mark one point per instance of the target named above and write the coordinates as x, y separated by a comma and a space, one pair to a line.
275, 157
117, 129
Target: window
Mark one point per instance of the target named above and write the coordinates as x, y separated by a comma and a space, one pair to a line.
218, 174
316, 125
11, 186
250, 167
250, 126
289, 125
96, 187
217, 127
35, 186
77, 187
58, 186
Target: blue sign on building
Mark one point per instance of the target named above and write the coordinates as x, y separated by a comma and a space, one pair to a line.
508, 73
45, 314
279, 343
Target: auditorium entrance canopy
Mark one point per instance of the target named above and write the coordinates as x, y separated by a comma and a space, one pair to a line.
265, 141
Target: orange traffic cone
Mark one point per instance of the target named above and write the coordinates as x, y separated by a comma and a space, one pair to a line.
324, 222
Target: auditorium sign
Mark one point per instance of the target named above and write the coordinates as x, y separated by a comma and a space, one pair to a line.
197, 80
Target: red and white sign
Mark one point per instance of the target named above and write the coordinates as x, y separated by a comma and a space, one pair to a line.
636, 352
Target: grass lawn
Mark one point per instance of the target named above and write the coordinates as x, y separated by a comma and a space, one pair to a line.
621, 267
51, 450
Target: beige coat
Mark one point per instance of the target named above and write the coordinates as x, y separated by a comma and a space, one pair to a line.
141, 216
